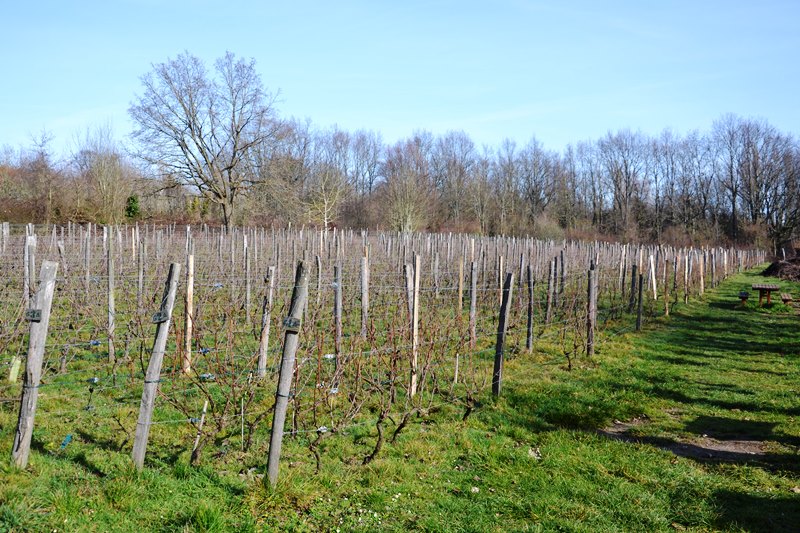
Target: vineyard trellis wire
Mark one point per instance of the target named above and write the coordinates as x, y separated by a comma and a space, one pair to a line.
354, 364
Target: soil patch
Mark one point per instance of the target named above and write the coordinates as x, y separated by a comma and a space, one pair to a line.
701, 447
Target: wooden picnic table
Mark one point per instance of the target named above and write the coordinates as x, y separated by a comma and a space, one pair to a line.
765, 288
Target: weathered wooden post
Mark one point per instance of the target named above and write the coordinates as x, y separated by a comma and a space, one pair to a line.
460, 297
529, 328
666, 287
563, 280
87, 258
591, 310
364, 295
473, 304
337, 310
196, 447
39, 317
266, 314
112, 313
436, 275
291, 325
140, 274
186, 364
415, 330
653, 281
247, 281
632, 300
497, 376
28, 266
318, 262
639, 308
548, 314
152, 377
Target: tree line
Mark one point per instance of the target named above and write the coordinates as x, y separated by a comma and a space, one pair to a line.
210, 145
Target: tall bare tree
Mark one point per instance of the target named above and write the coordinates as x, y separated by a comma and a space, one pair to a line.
200, 127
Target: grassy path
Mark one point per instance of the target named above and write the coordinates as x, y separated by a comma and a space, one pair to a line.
693, 424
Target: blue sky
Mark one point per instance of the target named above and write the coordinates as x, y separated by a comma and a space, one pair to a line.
560, 71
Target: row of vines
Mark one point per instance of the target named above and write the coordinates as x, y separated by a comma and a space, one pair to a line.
362, 360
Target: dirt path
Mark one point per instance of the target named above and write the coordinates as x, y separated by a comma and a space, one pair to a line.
700, 448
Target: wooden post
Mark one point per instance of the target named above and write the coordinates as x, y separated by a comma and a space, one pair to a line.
337, 310
436, 275
497, 376
548, 315
87, 257
188, 316
473, 303
111, 303
140, 275
152, 376
39, 315
247, 281
266, 314
686, 266
639, 308
408, 276
666, 287
318, 262
632, 300
563, 280
415, 330
195, 453
364, 296
460, 300
292, 325
500, 280
653, 277
529, 329
591, 310
703, 274
26, 273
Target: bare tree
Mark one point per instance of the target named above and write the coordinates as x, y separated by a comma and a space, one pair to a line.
328, 183
108, 177
452, 161
407, 190
201, 127
624, 160
536, 169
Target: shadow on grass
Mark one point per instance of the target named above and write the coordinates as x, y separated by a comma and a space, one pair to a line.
734, 429
757, 513
753, 407
704, 451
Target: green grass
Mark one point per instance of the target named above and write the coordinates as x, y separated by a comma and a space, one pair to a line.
537, 459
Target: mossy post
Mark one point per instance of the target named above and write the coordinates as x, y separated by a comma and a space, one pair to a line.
162, 320
39, 317
291, 326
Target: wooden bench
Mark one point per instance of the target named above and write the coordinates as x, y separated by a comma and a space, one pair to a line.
786, 297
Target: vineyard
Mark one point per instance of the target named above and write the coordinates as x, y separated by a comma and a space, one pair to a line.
268, 335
